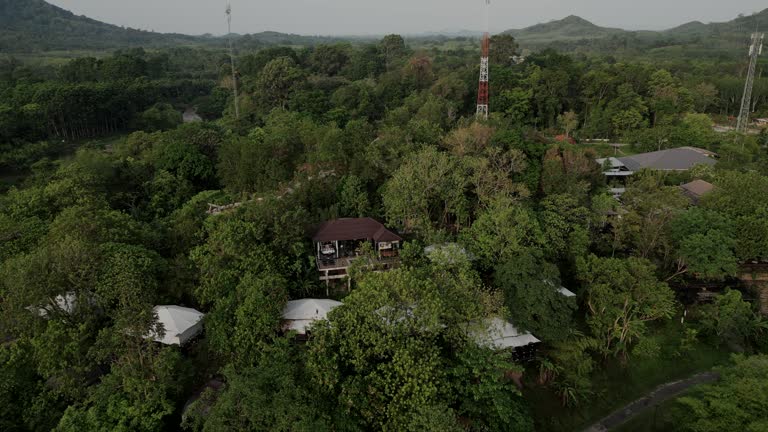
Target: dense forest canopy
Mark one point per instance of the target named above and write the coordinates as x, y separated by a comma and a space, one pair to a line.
106, 187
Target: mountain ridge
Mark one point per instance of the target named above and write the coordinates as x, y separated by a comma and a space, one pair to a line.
39, 25
574, 27
36, 25
570, 27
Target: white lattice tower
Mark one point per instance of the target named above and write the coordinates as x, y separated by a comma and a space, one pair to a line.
755, 49
232, 59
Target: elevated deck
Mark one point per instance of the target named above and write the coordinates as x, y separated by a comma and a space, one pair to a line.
335, 269
335, 264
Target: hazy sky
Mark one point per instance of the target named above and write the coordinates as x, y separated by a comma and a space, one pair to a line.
397, 16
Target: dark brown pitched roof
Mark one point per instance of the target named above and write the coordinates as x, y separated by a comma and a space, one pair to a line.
354, 229
697, 188
385, 235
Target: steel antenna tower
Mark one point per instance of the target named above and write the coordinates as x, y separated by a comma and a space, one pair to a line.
482, 92
755, 49
232, 59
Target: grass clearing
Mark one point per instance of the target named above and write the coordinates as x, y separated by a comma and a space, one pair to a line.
616, 385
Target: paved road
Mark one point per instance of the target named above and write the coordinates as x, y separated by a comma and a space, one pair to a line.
660, 394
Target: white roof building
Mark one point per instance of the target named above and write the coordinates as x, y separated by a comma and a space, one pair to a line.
299, 314
66, 303
612, 162
561, 289
448, 253
180, 324
500, 334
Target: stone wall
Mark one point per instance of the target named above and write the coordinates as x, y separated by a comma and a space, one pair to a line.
758, 282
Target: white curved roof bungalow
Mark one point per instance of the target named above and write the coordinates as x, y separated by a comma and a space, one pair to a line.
180, 323
299, 314
499, 334
66, 303
562, 290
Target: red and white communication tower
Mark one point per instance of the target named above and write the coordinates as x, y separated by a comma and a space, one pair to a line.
482, 91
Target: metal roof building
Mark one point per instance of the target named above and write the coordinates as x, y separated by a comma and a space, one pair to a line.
500, 334
676, 159
697, 189
180, 324
300, 314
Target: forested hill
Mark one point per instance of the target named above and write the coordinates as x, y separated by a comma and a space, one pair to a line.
574, 27
571, 27
690, 39
35, 25
28, 26
741, 25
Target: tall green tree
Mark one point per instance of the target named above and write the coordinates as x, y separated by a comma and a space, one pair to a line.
137, 395
503, 49
329, 59
731, 321
392, 48
394, 356
651, 208
734, 197
531, 292
706, 241
627, 111
273, 394
276, 81
668, 98
502, 231
251, 261
622, 296
737, 401
427, 192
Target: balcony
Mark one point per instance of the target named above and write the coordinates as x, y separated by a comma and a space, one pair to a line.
333, 269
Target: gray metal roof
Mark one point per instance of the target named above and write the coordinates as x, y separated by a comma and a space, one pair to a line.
677, 159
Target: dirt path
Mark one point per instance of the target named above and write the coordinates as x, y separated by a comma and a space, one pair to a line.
660, 394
